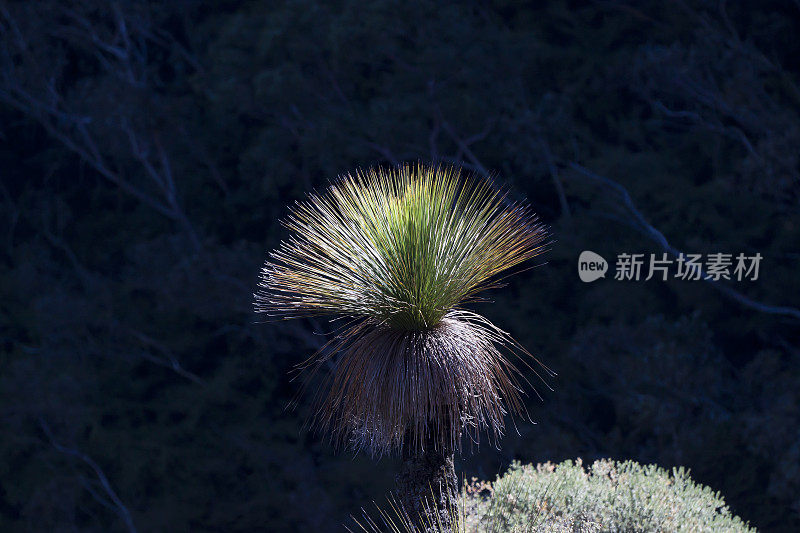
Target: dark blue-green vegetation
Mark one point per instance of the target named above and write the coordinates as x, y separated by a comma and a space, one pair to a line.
148, 149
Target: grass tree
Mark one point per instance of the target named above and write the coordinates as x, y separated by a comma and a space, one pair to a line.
396, 254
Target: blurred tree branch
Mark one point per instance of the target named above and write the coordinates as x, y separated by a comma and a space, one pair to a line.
118, 505
168, 358
30, 83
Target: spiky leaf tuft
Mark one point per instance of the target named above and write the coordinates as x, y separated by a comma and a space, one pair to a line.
398, 252
401, 247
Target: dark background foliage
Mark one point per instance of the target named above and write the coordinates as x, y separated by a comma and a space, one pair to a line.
149, 148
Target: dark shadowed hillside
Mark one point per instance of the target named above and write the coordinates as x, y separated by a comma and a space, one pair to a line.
148, 150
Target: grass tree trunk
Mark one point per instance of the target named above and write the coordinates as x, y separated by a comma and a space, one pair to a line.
427, 487
366, 250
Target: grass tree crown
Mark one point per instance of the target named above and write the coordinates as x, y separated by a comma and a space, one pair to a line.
399, 251
400, 247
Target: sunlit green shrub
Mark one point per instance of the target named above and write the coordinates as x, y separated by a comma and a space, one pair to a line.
606, 496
